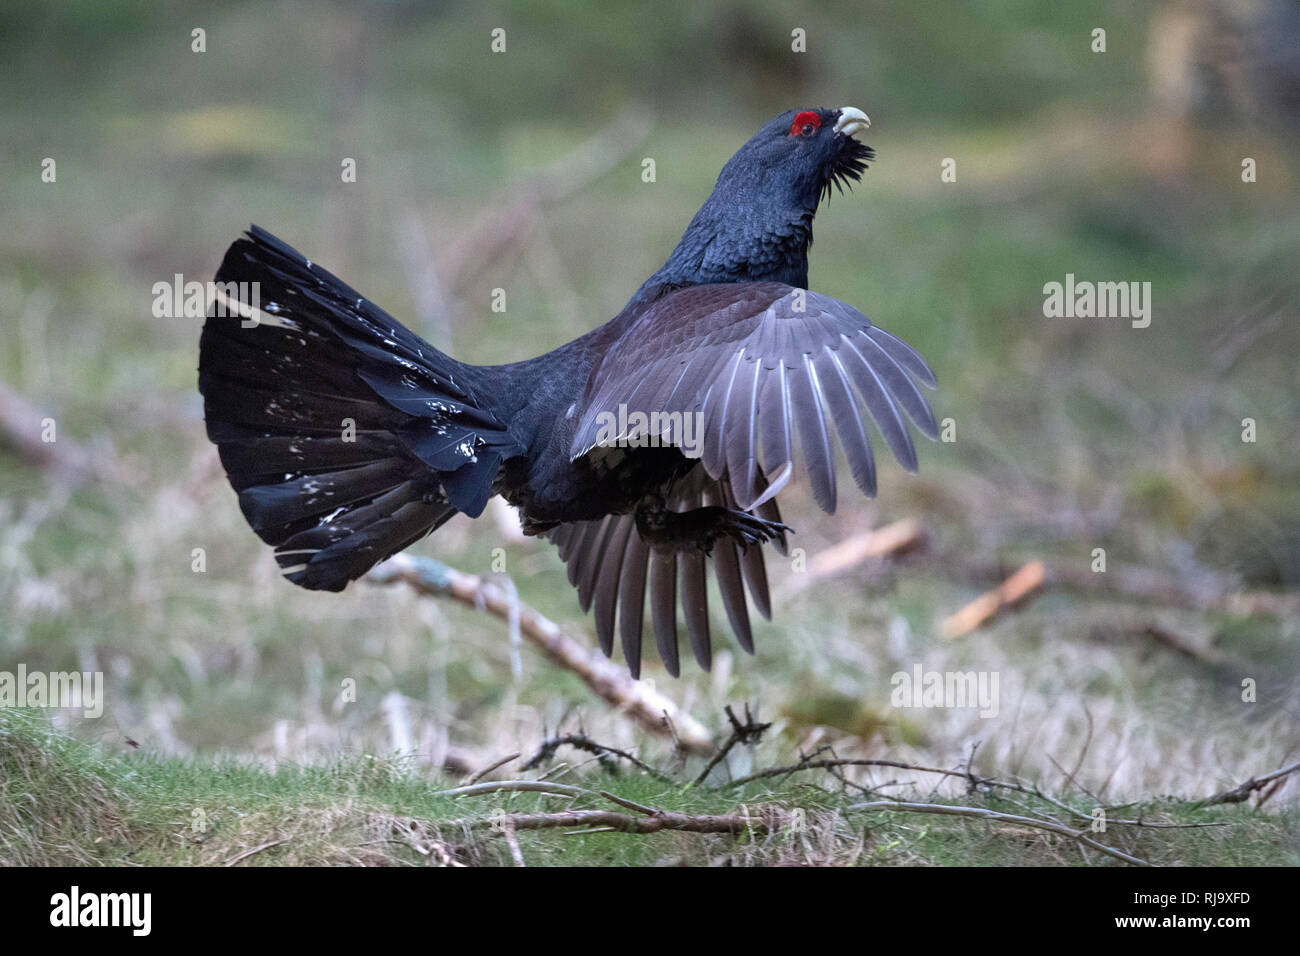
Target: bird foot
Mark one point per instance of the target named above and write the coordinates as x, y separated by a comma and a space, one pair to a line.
700, 528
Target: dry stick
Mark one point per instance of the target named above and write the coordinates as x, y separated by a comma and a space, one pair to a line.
540, 786
510, 820
1243, 791
653, 820
831, 764
476, 777
1270, 793
1036, 577
845, 762
741, 822
645, 706
1083, 751
238, 857
1069, 779
630, 804
508, 831
897, 538
515, 786
581, 741
983, 814
1146, 584
740, 733
433, 848
990, 604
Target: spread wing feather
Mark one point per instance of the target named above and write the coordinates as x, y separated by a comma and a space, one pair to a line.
756, 363
615, 569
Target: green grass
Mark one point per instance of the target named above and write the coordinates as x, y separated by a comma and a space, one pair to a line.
63, 802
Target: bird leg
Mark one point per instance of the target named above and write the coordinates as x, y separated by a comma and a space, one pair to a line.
698, 529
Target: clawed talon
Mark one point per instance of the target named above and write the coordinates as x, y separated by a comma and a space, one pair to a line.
746, 529
700, 528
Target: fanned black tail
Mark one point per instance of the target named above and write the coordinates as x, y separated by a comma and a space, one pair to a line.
347, 436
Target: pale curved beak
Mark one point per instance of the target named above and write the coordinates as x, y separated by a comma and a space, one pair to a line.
852, 121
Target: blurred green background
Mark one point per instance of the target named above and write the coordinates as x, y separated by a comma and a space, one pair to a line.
1072, 434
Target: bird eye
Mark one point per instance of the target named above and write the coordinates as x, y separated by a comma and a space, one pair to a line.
805, 124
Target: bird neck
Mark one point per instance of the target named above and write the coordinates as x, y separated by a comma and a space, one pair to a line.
730, 240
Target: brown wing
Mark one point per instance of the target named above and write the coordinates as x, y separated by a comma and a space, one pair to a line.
613, 567
759, 362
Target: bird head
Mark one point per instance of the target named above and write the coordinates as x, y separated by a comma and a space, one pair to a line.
757, 224
797, 157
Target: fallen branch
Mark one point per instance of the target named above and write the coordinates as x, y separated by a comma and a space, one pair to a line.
508, 831
648, 819
973, 780
744, 820
1205, 592
1242, 792
1015, 589
644, 705
773, 819
1036, 577
983, 814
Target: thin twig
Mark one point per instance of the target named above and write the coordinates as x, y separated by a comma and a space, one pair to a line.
735, 823
629, 804
475, 778
1204, 592
1242, 792
515, 786
581, 741
740, 733
1070, 779
838, 762
983, 814
508, 831
240, 857
773, 819
985, 782
1010, 593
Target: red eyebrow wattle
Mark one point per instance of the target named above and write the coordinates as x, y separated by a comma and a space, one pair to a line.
806, 118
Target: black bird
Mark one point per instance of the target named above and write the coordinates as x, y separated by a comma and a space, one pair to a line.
642, 449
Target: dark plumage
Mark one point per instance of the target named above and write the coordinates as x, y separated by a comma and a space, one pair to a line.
348, 437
